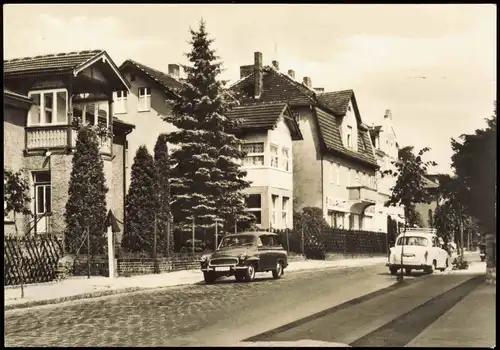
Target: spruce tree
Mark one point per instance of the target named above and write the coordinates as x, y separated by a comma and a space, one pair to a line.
141, 204
86, 205
207, 181
162, 163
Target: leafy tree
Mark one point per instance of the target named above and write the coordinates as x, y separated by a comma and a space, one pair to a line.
162, 164
413, 217
474, 162
16, 199
141, 204
410, 184
207, 180
86, 205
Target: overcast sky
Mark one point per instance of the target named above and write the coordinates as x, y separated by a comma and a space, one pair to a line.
433, 66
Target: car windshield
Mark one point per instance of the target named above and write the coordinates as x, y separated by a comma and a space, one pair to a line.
240, 240
420, 241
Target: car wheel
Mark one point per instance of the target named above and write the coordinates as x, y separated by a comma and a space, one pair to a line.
209, 277
394, 271
408, 271
250, 273
278, 271
431, 269
240, 277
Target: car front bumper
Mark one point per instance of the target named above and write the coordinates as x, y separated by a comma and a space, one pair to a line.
224, 270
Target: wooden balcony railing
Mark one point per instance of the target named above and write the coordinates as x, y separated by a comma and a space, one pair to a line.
56, 136
46, 137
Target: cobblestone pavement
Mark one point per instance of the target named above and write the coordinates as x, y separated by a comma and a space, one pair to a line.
162, 317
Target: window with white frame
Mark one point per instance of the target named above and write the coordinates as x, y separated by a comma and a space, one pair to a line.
43, 193
274, 214
254, 153
50, 107
274, 156
349, 136
144, 99
285, 158
92, 113
285, 204
254, 206
348, 177
121, 102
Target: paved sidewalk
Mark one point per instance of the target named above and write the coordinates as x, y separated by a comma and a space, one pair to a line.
82, 287
470, 323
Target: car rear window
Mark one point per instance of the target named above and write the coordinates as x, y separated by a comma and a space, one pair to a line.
410, 240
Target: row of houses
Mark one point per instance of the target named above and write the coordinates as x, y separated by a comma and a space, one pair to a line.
306, 147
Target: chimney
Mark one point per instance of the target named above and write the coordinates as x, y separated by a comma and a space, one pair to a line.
388, 114
307, 82
245, 71
173, 69
257, 74
319, 89
291, 73
276, 65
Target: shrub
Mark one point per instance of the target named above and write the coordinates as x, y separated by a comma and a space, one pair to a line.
459, 263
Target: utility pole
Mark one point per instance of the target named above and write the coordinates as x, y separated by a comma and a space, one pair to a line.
155, 241
88, 252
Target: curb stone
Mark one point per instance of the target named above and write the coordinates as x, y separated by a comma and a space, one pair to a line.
89, 295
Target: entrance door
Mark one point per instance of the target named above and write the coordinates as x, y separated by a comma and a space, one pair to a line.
43, 201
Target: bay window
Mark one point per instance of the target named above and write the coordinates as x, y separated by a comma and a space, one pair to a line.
254, 206
254, 154
285, 160
274, 218
144, 99
274, 156
284, 211
50, 107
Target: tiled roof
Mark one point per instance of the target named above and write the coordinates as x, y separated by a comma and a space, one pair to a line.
53, 62
329, 126
263, 116
280, 87
276, 87
337, 101
16, 95
168, 81
124, 123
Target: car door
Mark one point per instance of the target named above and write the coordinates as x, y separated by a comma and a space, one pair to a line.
265, 252
438, 252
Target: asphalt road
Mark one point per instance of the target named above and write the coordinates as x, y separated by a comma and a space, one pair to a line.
228, 312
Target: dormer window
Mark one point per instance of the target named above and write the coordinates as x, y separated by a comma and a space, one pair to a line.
349, 136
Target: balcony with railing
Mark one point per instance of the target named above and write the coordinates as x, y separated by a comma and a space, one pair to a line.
362, 193
49, 125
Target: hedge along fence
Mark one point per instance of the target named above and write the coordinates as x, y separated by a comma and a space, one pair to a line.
31, 259
317, 243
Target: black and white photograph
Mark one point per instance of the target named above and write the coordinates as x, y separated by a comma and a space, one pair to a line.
250, 175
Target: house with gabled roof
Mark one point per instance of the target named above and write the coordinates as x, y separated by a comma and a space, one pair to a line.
268, 131
384, 140
334, 164
42, 95
144, 105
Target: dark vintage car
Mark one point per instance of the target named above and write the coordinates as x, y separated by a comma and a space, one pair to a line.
243, 254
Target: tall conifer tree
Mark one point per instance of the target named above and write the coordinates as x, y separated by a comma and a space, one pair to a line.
207, 181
